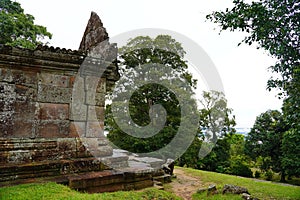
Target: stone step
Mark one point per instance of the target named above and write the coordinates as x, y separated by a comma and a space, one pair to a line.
102, 181
153, 162
109, 181
159, 187
158, 183
10, 172
117, 160
166, 178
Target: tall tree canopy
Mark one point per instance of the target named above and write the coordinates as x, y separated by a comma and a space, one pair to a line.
146, 51
18, 28
216, 124
265, 140
273, 25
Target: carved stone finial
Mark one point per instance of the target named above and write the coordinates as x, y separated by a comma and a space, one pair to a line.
94, 33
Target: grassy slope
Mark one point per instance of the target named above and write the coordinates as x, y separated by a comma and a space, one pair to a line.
261, 190
55, 191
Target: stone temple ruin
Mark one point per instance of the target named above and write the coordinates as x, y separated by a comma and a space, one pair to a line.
43, 131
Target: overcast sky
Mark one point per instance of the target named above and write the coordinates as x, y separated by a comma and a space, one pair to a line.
243, 69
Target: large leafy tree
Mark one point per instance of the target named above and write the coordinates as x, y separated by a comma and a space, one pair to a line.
273, 25
215, 128
265, 139
18, 28
143, 50
216, 124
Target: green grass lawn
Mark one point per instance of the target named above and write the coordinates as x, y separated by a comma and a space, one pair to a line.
53, 191
261, 190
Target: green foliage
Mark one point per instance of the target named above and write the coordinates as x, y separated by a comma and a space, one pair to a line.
219, 156
269, 175
258, 189
214, 111
145, 51
190, 157
56, 191
215, 115
257, 174
239, 166
274, 26
18, 28
291, 152
265, 140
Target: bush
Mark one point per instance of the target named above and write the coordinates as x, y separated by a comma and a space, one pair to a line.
257, 174
241, 170
269, 175
239, 167
220, 169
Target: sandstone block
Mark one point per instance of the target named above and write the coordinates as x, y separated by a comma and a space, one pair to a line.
54, 79
53, 129
78, 112
95, 99
50, 111
101, 87
96, 113
54, 94
77, 129
95, 129
23, 129
25, 93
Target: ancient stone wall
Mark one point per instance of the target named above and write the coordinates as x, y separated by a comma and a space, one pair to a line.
36, 121
52, 118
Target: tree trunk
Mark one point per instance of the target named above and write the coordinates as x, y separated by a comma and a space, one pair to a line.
282, 176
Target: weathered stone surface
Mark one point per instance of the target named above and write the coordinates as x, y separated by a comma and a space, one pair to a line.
168, 167
53, 129
97, 146
201, 190
248, 197
94, 129
212, 190
101, 151
233, 189
20, 77
78, 111
25, 93
90, 83
54, 79
101, 87
166, 178
51, 111
77, 129
153, 162
94, 33
95, 99
47, 105
23, 129
96, 113
54, 94
5, 75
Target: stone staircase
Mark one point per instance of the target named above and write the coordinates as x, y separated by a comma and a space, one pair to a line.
120, 171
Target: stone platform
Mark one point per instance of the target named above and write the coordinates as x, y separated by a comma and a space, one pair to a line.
87, 174
52, 104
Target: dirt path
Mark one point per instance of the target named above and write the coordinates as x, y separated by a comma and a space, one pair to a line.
184, 185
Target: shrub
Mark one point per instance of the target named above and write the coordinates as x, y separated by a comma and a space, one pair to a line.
239, 167
220, 169
257, 174
269, 175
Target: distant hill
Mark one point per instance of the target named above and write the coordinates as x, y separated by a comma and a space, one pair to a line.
243, 131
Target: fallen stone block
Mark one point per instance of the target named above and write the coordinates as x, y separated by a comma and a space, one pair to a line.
233, 189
